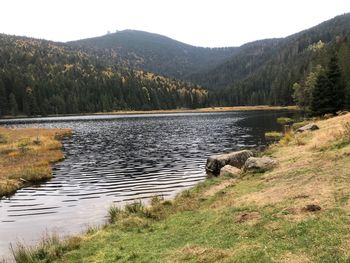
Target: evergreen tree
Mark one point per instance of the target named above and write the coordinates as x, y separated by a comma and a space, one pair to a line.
320, 99
3, 99
329, 93
336, 85
13, 104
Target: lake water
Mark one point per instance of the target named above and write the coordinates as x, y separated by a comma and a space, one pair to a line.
117, 159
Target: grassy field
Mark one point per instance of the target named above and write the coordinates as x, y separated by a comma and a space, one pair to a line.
26, 156
298, 212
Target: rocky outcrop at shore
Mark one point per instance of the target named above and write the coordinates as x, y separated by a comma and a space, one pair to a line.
234, 163
236, 159
255, 164
309, 127
229, 170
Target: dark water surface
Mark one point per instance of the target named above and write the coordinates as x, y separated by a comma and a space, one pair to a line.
116, 159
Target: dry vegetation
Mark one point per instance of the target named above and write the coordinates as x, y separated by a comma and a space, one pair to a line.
211, 109
26, 156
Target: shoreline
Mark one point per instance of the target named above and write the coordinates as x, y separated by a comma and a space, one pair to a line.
275, 216
27, 155
139, 112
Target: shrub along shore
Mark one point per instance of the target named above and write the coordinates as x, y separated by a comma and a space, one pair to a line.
296, 212
26, 156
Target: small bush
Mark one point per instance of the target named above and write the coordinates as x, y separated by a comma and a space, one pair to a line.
90, 229
37, 141
287, 138
50, 248
273, 135
135, 208
284, 120
113, 213
186, 193
3, 139
155, 200
23, 146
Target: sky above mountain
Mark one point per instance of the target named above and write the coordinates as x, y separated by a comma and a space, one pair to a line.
201, 23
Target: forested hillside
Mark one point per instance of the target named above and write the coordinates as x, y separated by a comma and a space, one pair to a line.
155, 53
112, 72
264, 72
261, 72
39, 77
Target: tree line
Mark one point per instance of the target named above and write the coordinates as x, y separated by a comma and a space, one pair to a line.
40, 77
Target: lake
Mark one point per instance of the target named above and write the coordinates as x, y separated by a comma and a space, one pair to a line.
114, 159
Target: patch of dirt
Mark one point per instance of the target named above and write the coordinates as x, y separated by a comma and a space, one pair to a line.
198, 254
216, 188
244, 217
294, 258
311, 208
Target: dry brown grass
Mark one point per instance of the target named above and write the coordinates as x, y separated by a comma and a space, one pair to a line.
26, 156
312, 169
212, 109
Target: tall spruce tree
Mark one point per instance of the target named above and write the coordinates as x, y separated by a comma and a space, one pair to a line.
3, 99
336, 84
320, 96
13, 104
328, 95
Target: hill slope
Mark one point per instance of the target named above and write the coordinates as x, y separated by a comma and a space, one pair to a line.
156, 53
43, 77
261, 72
264, 71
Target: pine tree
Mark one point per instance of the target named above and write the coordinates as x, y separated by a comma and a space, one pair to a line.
320, 99
3, 99
328, 95
13, 104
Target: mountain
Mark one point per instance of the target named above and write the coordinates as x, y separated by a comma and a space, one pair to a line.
155, 53
139, 70
263, 72
39, 77
260, 72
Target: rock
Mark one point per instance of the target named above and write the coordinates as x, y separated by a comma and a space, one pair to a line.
256, 164
340, 113
236, 159
309, 127
229, 170
328, 115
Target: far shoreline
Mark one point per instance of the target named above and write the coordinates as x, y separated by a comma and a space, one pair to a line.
182, 110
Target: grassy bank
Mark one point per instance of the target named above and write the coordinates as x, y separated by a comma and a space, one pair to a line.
199, 110
204, 110
26, 156
298, 212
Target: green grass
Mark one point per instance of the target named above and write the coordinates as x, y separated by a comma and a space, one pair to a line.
273, 135
319, 236
284, 120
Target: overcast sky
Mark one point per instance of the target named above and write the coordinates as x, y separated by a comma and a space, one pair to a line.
198, 22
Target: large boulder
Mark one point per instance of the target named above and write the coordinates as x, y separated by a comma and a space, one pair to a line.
309, 127
236, 159
229, 170
256, 164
